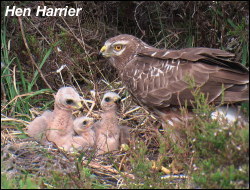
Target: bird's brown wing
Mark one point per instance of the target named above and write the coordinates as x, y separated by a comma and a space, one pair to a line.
205, 55
159, 79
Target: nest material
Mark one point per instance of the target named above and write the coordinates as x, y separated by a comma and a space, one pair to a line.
29, 156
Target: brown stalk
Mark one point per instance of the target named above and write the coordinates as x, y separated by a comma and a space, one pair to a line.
29, 52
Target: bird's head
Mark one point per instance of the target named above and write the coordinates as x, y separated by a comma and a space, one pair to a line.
121, 48
67, 98
110, 101
82, 123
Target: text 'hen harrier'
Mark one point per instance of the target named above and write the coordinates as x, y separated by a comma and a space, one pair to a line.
157, 78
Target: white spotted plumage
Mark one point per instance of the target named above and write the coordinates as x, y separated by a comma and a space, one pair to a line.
153, 54
159, 81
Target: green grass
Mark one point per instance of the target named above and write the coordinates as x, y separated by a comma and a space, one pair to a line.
20, 182
19, 90
56, 179
215, 154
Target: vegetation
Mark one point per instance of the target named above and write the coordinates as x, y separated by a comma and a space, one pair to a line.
41, 54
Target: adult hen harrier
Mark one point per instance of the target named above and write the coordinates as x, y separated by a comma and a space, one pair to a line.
157, 78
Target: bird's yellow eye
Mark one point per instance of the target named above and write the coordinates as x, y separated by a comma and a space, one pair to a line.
118, 47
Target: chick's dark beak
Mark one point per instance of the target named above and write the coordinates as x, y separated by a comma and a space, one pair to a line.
118, 104
118, 101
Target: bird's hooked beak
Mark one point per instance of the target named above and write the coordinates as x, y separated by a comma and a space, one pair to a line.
104, 48
102, 51
79, 105
91, 121
117, 100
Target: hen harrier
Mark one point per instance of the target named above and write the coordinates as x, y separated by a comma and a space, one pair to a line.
158, 78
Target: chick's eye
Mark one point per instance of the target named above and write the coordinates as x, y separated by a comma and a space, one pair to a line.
84, 122
107, 99
118, 47
69, 101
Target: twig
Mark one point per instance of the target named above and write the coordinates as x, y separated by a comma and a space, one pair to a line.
38, 31
29, 52
107, 168
142, 31
99, 166
82, 43
18, 96
133, 110
16, 120
123, 158
14, 78
91, 108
